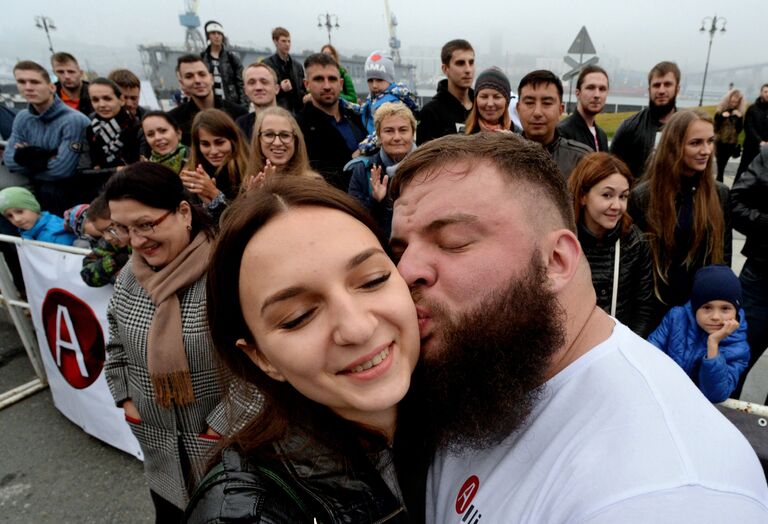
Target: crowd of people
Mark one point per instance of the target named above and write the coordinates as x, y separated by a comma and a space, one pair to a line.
360, 310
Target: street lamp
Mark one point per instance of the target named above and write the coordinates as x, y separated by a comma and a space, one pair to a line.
715, 24
46, 24
331, 22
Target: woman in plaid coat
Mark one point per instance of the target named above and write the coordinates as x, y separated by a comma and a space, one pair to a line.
160, 364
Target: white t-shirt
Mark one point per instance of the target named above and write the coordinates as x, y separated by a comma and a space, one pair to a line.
622, 435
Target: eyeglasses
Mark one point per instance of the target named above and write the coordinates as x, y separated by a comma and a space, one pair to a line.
270, 136
122, 232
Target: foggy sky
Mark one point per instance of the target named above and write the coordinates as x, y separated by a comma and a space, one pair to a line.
638, 33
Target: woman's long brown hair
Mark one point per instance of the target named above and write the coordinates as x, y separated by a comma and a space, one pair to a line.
664, 179
220, 124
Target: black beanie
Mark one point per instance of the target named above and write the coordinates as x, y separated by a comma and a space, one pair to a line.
715, 282
493, 78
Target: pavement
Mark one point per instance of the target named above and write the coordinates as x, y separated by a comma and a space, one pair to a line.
52, 472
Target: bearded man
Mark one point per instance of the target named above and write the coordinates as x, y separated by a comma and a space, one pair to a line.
541, 407
637, 136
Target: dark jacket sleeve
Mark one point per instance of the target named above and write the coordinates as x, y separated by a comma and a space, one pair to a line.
428, 127
725, 202
752, 125
645, 312
237, 79
749, 216
359, 184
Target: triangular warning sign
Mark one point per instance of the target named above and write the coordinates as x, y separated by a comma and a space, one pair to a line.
583, 44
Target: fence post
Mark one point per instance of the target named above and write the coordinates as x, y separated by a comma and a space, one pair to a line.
23, 324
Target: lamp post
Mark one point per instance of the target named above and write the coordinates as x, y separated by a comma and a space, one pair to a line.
716, 23
46, 24
331, 22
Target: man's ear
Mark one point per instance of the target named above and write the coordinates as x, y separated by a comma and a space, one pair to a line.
563, 254
252, 351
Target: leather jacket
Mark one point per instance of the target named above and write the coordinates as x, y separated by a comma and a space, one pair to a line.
308, 481
566, 153
231, 70
749, 200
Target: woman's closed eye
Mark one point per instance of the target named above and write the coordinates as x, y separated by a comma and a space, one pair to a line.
377, 281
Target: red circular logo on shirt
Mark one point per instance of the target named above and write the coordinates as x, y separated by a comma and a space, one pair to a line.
74, 336
467, 493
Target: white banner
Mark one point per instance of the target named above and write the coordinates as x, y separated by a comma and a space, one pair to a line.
70, 320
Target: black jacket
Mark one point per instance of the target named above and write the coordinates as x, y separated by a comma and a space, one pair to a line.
677, 291
185, 113
443, 115
231, 71
635, 139
566, 153
749, 200
755, 131
636, 305
84, 106
327, 149
293, 71
575, 128
246, 123
315, 483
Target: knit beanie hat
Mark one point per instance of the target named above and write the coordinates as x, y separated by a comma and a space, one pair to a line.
493, 78
18, 198
74, 219
716, 282
213, 25
378, 65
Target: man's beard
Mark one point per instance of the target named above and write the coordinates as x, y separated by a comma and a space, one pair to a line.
484, 380
660, 111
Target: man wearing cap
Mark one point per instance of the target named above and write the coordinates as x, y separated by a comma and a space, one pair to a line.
290, 73
540, 108
223, 64
591, 93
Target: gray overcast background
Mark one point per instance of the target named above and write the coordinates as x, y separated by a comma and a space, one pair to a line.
637, 34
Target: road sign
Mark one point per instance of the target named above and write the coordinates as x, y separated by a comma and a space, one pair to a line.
577, 69
583, 44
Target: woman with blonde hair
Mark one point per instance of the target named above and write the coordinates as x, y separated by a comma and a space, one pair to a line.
277, 147
729, 120
682, 208
218, 160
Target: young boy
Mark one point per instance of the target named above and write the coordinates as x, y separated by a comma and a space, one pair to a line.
707, 336
108, 253
382, 88
22, 209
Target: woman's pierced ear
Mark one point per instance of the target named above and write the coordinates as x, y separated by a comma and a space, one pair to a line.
189, 227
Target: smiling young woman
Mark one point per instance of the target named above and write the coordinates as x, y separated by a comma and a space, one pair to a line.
683, 210
618, 254
305, 304
160, 364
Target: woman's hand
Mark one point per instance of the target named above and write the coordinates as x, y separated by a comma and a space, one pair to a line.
199, 183
130, 410
262, 176
378, 184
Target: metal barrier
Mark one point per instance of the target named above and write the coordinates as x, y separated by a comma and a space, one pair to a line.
9, 294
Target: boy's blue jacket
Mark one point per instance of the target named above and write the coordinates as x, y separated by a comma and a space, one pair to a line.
49, 228
395, 92
680, 337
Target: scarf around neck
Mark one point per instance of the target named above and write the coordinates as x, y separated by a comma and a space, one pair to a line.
175, 159
166, 356
107, 135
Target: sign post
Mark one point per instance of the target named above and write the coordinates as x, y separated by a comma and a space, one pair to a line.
581, 46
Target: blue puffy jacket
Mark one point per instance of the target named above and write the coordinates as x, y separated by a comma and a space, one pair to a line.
49, 228
680, 337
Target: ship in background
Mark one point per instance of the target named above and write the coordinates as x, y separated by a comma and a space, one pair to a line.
159, 60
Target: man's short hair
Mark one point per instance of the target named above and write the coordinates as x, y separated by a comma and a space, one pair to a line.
319, 59
262, 65
664, 68
538, 77
588, 71
518, 160
763, 86
278, 32
124, 78
63, 58
29, 65
187, 59
446, 53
